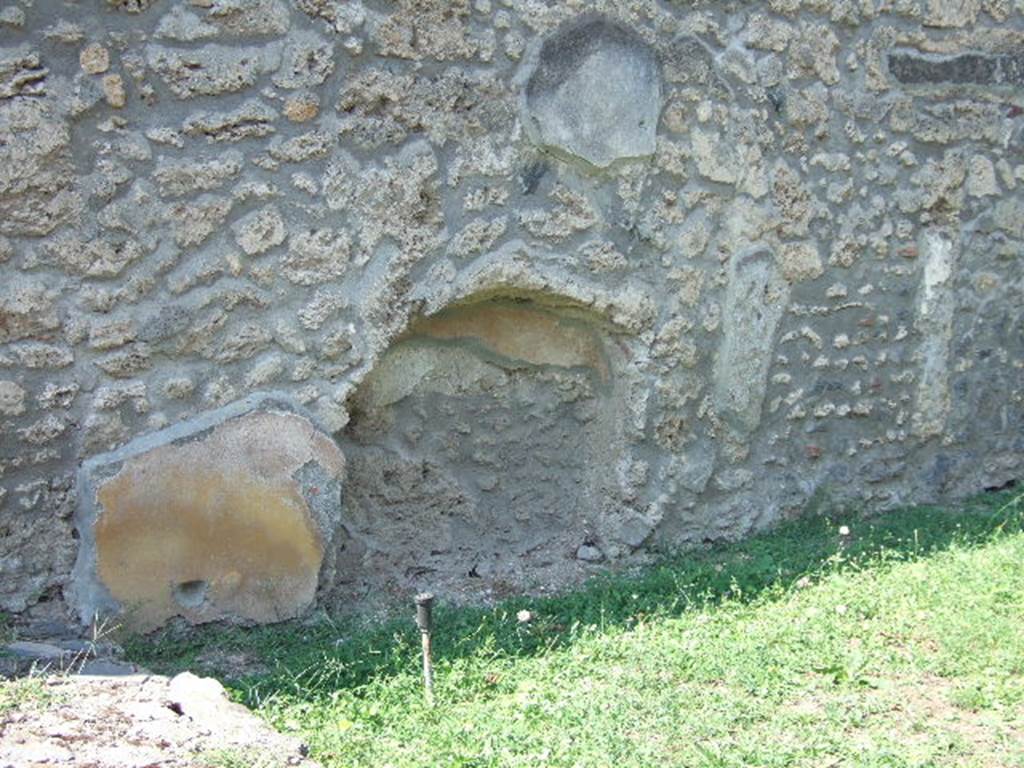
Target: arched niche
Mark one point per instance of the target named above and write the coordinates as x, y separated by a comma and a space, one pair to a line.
486, 440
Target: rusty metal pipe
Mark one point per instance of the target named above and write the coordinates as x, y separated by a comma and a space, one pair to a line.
424, 620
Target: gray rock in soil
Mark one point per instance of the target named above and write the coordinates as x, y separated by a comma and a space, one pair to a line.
589, 554
36, 651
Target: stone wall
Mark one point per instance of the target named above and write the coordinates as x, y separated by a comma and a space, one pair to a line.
564, 281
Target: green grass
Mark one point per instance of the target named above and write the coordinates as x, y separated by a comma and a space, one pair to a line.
24, 693
900, 644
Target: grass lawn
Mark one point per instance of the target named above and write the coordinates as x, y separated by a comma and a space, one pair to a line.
897, 643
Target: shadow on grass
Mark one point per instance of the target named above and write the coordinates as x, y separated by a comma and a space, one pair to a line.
312, 661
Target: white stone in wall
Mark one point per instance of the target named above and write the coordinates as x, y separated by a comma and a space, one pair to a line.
936, 303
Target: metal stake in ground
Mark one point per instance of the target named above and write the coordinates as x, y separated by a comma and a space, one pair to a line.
424, 606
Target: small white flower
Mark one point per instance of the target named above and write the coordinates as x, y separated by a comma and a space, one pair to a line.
844, 530
524, 616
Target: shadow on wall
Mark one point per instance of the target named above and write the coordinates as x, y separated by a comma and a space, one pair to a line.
484, 442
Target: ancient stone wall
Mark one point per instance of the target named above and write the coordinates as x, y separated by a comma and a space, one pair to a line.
321, 300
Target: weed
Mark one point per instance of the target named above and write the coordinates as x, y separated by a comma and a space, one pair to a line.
23, 693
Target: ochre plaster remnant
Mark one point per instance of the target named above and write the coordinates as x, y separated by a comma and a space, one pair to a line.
217, 526
519, 332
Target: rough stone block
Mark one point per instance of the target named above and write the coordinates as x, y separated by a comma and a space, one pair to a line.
36, 171
226, 516
27, 308
595, 93
212, 69
12, 399
951, 13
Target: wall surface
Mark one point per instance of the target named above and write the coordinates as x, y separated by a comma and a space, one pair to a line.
564, 281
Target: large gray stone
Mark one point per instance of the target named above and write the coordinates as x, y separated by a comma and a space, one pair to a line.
212, 69
595, 93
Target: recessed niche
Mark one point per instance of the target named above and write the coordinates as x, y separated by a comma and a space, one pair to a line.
484, 438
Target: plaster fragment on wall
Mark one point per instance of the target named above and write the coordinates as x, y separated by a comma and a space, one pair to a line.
225, 516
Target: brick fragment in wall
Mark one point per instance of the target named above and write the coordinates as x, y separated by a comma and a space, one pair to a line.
963, 69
